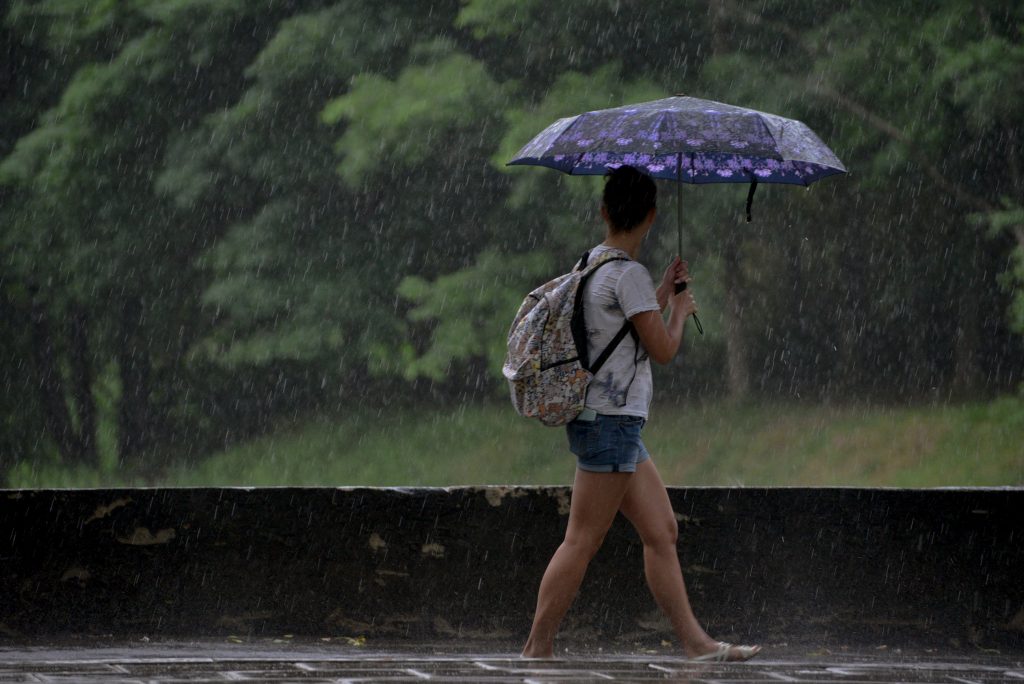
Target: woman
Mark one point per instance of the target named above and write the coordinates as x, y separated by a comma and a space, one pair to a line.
614, 470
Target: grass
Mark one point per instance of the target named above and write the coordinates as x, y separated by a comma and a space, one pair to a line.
968, 445
978, 444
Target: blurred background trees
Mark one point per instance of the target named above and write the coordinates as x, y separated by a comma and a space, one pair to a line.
219, 217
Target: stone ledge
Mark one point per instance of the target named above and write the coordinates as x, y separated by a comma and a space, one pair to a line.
833, 565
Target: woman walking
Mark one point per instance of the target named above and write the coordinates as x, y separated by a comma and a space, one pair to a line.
614, 470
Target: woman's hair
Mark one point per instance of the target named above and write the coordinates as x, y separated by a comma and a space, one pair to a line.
628, 196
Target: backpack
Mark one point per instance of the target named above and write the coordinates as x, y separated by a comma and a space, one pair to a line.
547, 364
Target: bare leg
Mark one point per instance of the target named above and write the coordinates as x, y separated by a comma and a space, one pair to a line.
595, 501
647, 506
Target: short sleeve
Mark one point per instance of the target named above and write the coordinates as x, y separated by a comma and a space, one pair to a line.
635, 291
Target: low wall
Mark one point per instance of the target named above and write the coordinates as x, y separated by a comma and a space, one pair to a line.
822, 566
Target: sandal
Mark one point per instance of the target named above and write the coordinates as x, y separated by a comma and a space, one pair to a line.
724, 650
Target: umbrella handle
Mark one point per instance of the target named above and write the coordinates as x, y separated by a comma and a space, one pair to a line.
700, 328
750, 194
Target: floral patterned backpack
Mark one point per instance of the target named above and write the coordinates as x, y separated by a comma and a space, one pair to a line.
547, 364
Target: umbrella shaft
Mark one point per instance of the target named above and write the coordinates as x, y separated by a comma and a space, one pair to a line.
679, 205
679, 220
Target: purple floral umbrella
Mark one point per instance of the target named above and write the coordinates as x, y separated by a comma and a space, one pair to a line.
685, 139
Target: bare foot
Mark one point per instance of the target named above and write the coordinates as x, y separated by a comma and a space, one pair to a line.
535, 652
721, 651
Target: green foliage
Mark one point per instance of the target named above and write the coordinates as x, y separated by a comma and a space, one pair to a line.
89, 235
298, 278
258, 207
1013, 280
533, 42
977, 68
550, 204
424, 118
468, 312
497, 18
571, 93
90, 29
272, 315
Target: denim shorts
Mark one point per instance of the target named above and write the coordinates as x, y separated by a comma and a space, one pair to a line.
607, 444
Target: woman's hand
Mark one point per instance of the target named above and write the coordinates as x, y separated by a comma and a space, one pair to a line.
684, 303
677, 272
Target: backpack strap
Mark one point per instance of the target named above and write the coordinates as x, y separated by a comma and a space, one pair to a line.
626, 329
583, 261
579, 331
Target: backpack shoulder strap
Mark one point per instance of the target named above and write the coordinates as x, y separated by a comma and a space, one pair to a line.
626, 329
578, 326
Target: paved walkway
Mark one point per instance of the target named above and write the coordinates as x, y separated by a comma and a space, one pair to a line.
271, 662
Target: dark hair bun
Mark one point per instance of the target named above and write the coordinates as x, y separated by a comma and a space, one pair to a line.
628, 196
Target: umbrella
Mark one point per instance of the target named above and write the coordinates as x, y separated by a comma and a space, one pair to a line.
688, 140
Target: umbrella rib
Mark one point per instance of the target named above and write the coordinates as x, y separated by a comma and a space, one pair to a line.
576, 163
772, 135
776, 141
575, 120
768, 128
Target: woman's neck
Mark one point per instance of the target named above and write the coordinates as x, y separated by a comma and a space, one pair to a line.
628, 242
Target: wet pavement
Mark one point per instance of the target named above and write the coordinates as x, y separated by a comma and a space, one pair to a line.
343, 660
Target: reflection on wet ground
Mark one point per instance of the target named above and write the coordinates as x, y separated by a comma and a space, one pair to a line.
270, 662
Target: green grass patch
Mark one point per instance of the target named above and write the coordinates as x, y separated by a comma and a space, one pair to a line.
714, 444
469, 445
967, 445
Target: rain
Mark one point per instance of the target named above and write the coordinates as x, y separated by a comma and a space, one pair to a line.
281, 245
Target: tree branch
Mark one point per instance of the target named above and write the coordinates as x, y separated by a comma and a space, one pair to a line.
871, 118
877, 122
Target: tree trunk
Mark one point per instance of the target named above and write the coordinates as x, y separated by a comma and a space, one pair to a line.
51, 385
82, 379
967, 371
133, 433
735, 347
965, 354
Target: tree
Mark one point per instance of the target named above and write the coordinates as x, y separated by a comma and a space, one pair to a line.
217, 214
94, 245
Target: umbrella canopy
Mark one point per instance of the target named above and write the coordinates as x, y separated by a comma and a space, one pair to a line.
685, 139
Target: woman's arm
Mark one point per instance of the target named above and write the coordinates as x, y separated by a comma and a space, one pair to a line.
661, 339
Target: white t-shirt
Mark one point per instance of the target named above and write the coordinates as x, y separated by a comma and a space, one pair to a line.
615, 292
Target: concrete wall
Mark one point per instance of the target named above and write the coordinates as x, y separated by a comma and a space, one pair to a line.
821, 566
